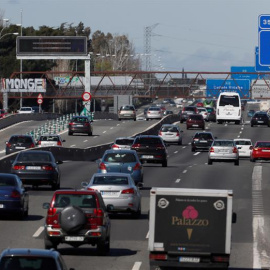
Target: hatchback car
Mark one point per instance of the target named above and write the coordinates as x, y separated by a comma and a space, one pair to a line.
127, 112
47, 140
25, 110
195, 121
223, 150
154, 113
14, 199
151, 149
19, 142
244, 147
186, 111
260, 118
123, 161
122, 143
118, 190
37, 168
77, 217
80, 124
202, 141
203, 111
31, 259
260, 151
171, 133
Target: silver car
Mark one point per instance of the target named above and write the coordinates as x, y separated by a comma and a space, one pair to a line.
118, 190
47, 140
154, 113
171, 133
122, 143
223, 150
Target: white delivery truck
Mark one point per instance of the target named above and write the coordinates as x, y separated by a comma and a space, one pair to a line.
190, 228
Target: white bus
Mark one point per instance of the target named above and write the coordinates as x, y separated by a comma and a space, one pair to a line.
229, 108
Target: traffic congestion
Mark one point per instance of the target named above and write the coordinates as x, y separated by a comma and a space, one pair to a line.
192, 152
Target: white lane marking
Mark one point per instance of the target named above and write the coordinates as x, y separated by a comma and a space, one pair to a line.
175, 152
178, 180
73, 145
39, 231
189, 143
118, 125
258, 217
95, 137
197, 153
111, 128
240, 132
184, 147
85, 141
104, 131
184, 171
137, 266
15, 125
2, 151
242, 127
147, 235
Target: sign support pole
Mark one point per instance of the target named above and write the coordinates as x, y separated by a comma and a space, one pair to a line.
87, 104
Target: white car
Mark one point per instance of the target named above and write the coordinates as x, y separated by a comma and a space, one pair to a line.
26, 110
244, 147
171, 134
203, 111
48, 140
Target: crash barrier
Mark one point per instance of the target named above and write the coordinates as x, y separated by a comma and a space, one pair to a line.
87, 154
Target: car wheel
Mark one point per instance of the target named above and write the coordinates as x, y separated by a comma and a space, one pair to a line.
203, 128
49, 244
193, 149
187, 127
56, 186
70, 133
147, 119
210, 161
181, 122
218, 122
180, 142
103, 247
164, 163
137, 213
134, 119
26, 212
90, 133
251, 125
119, 119
70, 224
236, 163
252, 159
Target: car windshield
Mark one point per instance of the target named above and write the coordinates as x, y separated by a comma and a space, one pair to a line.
195, 117
243, 142
263, 144
110, 180
7, 181
27, 262
116, 158
223, 143
34, 156
20, 139
79, 200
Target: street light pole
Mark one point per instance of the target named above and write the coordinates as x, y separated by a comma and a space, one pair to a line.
21, 100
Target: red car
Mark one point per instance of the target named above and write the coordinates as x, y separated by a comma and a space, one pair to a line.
195, 121
261, 150
3, 113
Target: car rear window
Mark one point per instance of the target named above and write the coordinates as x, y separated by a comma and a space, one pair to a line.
170, 129
263, 144
190, 109
203, 136
116, 158
110, 180
223, 143
79, 200
262, 115
7, 181
20, 139
243, 142
148, 140
129, 108
154, 109
124, 141
49, 138
27, 262
32, 156
79, 119
196, 117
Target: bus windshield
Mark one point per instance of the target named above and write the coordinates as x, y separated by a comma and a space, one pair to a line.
229, 100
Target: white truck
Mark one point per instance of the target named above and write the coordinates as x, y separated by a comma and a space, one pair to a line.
190, 228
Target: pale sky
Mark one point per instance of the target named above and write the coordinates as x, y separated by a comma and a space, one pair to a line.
197, 35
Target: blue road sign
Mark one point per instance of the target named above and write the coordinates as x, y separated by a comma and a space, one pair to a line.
258, 67
264, 21
264, 47
242, 73
215, 86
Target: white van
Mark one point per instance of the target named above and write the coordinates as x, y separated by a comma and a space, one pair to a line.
229, 108
26, 110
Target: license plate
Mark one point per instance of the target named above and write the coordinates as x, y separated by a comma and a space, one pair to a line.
74, 238
224, 151
109, 193
79, 125
189, 259
19, 147
265, 150
260, 122
203, 141
144, 156
35, 168
195, 125
1, 206
127, 114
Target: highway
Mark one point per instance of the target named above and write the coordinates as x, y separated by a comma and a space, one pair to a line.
249, 182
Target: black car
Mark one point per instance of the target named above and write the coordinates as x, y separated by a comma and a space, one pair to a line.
150, 149
80, 124
14, 199
202, 141
37, 168
260, 118
31, 259
19, 142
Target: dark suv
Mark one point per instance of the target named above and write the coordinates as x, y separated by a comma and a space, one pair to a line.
77, 217
202, 141
260, 118
150, 149
31, 259
19, 142
80, 124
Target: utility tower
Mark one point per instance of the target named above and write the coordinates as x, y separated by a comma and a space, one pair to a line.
147, 45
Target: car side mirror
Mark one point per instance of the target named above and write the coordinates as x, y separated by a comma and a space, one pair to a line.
63, 140
46, 205
84, 184
110, 207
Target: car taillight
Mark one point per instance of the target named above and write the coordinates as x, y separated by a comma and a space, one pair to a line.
128, 191
52, 218
102, 166
137, 167
159, 146
15, 194
160, 133
212, 150
8, 144
71, 124
177, 134
221, 258
90, 188
39, 142
256, 149
135, 145
51, 211
195, 140
235, 150
115, 146
18, 167
162, 257
87, 124
47, 168
32, 145
100, 216
59, 143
